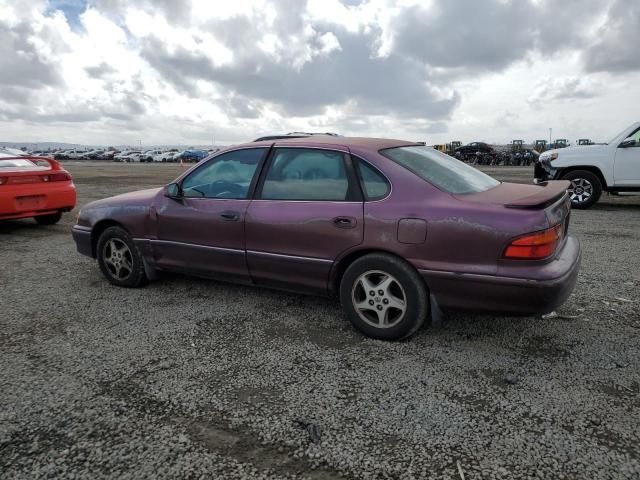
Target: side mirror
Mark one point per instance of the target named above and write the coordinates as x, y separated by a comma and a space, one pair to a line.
628, 142
174, 191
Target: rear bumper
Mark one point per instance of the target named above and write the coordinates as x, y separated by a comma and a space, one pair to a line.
23, 201
82, 237
535, 289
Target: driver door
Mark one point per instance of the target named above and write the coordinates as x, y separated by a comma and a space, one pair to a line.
202, 233
626, 170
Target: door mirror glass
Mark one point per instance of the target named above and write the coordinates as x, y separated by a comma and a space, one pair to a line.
174, 191
629, 142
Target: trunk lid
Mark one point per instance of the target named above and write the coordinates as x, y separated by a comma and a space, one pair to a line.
551, 198
515, 195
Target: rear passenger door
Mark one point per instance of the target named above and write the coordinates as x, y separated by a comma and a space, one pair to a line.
307, 210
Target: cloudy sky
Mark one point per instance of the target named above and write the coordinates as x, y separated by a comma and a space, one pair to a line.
198, 71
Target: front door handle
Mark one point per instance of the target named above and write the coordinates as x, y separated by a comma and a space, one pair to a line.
344, 222
230, 216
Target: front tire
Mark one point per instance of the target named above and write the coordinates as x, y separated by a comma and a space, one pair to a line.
119, 258
384, 297
51, 219
585, 188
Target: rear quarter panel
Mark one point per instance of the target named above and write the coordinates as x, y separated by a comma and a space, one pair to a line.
461, 236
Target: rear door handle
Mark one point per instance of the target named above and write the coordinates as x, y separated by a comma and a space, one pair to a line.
230, 216
344, 222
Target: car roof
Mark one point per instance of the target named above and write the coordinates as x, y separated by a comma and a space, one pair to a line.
328, 141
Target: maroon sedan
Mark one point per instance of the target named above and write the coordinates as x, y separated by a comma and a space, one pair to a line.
397, 230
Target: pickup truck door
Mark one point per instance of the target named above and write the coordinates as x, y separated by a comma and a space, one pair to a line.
626, 169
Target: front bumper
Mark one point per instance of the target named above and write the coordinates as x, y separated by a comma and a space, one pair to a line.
528, 289
82, 237
543, 171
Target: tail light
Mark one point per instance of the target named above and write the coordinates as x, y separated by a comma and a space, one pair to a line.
56, 177
535, 246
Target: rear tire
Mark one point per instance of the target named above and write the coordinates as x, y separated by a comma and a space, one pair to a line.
384, 297
585, 188
51, 219
119, 258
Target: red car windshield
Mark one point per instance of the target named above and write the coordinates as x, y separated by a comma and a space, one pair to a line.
445, 172
16, 163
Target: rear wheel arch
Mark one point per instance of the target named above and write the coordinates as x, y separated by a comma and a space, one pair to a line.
97, 230
341, 266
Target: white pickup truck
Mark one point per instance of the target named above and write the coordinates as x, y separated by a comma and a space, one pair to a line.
613, 167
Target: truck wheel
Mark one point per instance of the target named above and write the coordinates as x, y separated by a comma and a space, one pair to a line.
585, 188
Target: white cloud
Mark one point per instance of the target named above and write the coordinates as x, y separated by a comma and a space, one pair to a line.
184, 71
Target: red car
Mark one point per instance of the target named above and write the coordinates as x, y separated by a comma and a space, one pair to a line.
28, 188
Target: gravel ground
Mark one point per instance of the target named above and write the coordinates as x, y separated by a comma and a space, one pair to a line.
197, 379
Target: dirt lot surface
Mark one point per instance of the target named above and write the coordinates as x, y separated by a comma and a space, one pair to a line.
189, 378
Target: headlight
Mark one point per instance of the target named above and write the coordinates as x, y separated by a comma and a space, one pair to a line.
78, 216
548, 157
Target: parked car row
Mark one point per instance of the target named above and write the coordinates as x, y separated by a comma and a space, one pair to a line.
131, 155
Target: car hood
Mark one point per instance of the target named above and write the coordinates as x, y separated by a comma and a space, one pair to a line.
580, 150
138, 198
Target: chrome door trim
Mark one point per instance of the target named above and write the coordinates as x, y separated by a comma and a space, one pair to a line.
289, 257
234, 251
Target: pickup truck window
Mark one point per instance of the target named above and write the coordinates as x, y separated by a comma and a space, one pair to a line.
636, 136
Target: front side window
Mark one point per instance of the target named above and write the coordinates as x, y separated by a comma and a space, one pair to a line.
226, 176
306, 174
445, 172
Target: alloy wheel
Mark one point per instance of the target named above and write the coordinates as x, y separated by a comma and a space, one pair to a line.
118, 259
580, 190
379, 299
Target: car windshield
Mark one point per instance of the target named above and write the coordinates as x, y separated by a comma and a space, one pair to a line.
445, 172
15, 163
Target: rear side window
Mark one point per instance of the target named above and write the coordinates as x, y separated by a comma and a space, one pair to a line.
306, 174
445, 172
374, 184
15, 163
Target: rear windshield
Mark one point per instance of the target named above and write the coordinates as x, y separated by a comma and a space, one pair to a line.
15, 163
445, 172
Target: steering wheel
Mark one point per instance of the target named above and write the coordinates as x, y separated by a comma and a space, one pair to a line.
315, 174
221, 188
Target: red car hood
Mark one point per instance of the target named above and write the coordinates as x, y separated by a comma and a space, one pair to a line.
515, 195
